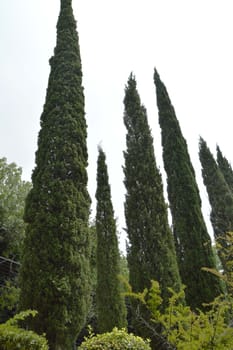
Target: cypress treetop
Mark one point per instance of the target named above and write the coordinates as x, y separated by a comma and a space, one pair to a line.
111, 310
220, 197
55, 268
193, 244
219, 193
225, 168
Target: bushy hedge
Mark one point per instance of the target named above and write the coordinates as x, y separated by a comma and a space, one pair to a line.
115, 340
13, 337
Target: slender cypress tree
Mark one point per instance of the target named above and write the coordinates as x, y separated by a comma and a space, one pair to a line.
220, 197
225, 168
193, 244
55, 268
111, 309
151, 250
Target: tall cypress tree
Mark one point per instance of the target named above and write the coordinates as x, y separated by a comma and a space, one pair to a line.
151, 251
220, 197
111, 309
225, 168
193, 244
55, 268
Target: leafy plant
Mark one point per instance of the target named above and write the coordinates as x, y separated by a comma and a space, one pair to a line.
12, 336
185, 329
226, 248
118, 339
13, 191
9, 296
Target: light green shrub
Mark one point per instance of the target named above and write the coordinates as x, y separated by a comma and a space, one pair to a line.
13, 337
118, 339
185, 329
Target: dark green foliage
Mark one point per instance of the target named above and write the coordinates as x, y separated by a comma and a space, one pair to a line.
55, 274
193, 244
220, 196
91, 320
111, 310
225, 168
9, 298
9, 295
151, 252
115, 340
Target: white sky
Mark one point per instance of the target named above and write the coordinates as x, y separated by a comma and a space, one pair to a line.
189, 42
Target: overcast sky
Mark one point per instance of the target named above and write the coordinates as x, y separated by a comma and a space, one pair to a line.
189, 42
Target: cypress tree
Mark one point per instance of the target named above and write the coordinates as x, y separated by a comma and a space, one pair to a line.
193, 244
220, 197
55, 268
151, 251
111, 309
225, 168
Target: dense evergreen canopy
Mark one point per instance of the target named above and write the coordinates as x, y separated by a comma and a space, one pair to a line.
225, 168
193, 244
151, 251
111, 310
220, 196
55, 270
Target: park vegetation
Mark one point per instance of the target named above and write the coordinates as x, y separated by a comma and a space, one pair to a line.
63, 282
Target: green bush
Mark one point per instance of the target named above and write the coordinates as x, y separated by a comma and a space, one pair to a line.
185, 329
115, 340
13, 337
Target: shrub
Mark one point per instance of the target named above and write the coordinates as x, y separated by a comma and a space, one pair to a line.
13, 337
118, 339
184, 328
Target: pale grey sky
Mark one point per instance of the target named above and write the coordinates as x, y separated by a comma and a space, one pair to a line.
189, 42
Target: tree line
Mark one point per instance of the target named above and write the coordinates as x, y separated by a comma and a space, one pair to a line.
70, 269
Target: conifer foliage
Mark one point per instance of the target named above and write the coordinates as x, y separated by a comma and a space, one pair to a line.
192, 240
151, 251
225, 168
111, 309
55, 269
220, 196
